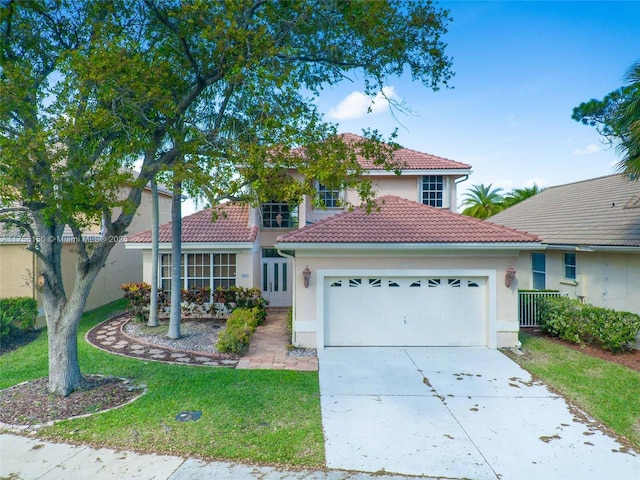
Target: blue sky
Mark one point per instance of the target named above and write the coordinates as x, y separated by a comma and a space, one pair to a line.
520, 68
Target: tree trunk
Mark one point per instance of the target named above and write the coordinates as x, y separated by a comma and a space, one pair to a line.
176, 256
63, 318
64, 367
155, 227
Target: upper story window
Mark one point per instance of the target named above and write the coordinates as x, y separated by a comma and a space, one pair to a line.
570, 266
432, 190
279, 215
330, 197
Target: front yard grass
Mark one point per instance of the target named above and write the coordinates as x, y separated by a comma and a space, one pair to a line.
257, 416
605, 390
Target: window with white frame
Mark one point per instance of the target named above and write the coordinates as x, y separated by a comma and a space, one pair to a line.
570, 266
199, 270
224, 270
279, 215
539, 270
329, 197
432, 190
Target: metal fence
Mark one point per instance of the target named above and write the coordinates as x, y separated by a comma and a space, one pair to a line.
528, 306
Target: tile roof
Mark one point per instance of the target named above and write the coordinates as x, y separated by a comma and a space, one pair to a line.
603, 211
403, 221
232, 225
409, 159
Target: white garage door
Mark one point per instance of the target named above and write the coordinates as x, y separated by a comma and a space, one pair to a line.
405, 311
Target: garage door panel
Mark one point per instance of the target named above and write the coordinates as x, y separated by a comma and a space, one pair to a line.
411, 311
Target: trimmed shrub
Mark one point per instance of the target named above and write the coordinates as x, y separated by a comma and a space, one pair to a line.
237, 334
580, 323
17, 314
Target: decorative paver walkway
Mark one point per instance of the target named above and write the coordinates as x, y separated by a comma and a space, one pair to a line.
268, 348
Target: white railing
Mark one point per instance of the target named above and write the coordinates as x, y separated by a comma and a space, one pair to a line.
528, 306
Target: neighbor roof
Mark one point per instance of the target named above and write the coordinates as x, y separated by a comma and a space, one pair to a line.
399, 220
231, 225
603, 211
409, 159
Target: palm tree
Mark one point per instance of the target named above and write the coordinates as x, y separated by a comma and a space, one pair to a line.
629, 146
482, 201
517, 195
617, 118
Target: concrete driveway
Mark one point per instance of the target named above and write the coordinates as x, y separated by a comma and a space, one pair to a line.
457, 413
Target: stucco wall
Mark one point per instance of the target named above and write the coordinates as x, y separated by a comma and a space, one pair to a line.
16, 263
16, 271
604, 279
503, 322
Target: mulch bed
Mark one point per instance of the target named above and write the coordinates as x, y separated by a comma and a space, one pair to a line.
30, 403
629, 359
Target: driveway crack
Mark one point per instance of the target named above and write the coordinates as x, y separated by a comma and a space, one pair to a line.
426, 381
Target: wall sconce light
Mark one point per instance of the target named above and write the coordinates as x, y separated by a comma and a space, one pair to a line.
306, 274
510, 276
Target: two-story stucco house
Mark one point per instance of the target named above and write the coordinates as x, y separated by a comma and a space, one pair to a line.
413, 272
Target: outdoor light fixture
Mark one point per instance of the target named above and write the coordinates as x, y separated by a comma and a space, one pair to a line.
306, 274
510, 276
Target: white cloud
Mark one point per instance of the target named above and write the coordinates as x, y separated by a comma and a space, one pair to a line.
357, 104
588, 150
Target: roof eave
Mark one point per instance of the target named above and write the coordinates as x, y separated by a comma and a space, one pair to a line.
594, 248
411, 246
423, 171
193, 246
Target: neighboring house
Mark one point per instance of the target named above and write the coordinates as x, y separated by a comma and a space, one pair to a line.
19, 267
411, 273
591, 230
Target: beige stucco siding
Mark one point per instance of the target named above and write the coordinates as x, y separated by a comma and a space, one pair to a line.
604, 279
16, 262
17, 271
502, 318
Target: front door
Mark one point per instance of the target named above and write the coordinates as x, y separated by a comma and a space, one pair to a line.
276, 281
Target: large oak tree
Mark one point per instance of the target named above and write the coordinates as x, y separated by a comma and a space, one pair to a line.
226, 89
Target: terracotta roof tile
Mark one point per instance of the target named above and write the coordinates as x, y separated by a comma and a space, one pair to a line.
402, 221
409, 159
232, 225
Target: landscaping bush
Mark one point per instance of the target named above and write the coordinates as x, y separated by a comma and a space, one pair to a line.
196, 301
576, 322
139, 296
17, 314
240, 327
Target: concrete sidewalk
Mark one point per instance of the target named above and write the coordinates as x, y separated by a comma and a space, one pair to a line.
23, 458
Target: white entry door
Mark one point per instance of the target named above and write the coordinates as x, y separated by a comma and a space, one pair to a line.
276, 281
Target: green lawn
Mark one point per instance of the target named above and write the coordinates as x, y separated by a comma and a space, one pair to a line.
247, 415
607, 391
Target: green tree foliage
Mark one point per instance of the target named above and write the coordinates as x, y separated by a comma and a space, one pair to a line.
87, 87
518, 195
617, 118
481, 201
